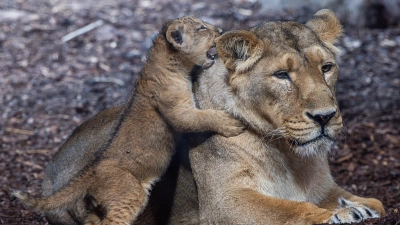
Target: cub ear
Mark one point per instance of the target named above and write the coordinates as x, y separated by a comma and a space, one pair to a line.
239, 50
175, 35
326, 25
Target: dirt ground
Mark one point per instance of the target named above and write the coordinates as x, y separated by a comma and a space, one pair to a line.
48, 87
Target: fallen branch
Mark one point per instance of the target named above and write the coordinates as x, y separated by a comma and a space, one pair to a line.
82, 30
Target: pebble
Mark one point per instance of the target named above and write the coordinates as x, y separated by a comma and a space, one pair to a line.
388, 43
351, 43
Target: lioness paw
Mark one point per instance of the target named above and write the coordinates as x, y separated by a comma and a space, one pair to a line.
349, 212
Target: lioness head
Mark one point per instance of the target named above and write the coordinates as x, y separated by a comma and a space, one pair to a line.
193, 37
282, 77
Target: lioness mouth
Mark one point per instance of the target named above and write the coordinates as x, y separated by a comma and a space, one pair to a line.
212, 53
298, 143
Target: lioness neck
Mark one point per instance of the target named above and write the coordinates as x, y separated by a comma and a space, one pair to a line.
215, 81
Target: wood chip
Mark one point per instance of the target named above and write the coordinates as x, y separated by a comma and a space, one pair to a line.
344, 158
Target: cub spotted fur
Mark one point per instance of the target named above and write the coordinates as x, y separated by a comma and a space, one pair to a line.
120, 174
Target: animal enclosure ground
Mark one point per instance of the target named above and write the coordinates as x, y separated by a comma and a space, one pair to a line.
48, 87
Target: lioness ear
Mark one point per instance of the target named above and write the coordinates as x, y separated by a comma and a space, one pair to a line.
239, 50
326, 25
176, 35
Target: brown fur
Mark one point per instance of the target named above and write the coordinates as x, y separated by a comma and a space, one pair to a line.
119, 174
279, 78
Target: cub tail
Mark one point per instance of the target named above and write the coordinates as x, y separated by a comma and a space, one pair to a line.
61, 199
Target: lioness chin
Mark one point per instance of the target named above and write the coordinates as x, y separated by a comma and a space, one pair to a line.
279, 78
118, 174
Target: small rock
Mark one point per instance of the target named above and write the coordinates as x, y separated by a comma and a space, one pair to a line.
198, 6
105, 33
351, 43
113, 44
136, 35
388, 43
132, 53
145, 4
245, 12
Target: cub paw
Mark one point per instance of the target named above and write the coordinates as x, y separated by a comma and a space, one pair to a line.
23, 197
349, 212
229, 126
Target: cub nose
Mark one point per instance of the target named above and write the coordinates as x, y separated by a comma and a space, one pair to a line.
322, 119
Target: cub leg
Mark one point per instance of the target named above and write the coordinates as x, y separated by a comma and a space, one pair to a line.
92, 219
94, 211
122, 196
125, 208
197, 120
180, 112
60, 217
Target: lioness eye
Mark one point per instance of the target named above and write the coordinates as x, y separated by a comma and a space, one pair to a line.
326, 68
282, 75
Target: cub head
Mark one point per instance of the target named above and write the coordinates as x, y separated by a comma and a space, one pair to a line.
194, 38
283, 76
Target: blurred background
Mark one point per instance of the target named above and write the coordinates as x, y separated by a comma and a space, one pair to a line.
50, 83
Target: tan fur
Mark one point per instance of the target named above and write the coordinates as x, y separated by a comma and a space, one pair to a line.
119, 173
277, 171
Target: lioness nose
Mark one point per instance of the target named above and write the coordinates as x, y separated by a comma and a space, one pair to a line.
322, 119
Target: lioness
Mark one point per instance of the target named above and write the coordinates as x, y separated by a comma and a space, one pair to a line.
119, 175
279, 78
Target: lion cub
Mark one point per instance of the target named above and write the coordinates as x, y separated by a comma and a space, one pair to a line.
120, 174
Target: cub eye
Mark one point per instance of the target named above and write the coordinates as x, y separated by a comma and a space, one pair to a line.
282, 74
202, 27
326, 68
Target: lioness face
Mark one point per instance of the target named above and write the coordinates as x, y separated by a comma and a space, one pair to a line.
295, 90
286, 75
195, 38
